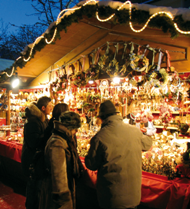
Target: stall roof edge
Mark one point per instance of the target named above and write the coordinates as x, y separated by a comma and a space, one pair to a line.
89, 33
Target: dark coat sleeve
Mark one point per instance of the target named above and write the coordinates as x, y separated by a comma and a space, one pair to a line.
94, 157
146, 142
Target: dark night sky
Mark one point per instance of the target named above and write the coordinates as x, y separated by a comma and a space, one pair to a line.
14, 11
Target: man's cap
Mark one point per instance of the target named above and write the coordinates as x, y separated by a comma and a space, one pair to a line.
107, 108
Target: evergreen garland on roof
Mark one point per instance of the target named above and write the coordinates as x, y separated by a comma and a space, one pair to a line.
121, 17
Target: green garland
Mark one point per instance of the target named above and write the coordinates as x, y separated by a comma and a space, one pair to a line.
121, 17
79, 79
92, 73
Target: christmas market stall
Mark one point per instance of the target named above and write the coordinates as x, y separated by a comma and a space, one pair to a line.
136, 55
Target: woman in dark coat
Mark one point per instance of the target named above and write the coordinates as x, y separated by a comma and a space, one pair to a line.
58, 188
57, 110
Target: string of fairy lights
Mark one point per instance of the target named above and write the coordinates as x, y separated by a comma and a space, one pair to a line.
59, 17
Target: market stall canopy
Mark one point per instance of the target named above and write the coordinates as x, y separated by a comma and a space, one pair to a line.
90, 25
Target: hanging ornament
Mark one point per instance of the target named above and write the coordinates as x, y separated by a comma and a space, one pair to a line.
139, 62
63, 80
103, 61
50, 76
123, 64
92, 73
113, 68
79, 79
71, 75
159, 60
104, 84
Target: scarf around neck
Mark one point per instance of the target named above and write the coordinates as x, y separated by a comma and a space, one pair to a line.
61, 130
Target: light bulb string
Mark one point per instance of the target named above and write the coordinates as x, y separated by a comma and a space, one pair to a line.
62, 13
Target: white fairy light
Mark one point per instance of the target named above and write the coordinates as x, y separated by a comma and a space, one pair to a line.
146, 24
30, 55
66, 99
64, 10
127, 2
89, 2
8, 74
49, 42
183, 32
102, 20
91, 82
116, 79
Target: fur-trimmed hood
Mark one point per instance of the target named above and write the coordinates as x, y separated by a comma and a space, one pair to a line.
33, 110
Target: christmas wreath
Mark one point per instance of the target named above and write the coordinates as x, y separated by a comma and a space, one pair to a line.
158, 78
138, 62
79, 79
92, 73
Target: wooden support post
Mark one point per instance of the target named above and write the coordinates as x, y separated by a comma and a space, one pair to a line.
8, 115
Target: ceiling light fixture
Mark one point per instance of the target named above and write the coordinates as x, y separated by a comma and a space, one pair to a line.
15, 81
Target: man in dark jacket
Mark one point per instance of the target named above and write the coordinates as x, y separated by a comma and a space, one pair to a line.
116, 152
36, 123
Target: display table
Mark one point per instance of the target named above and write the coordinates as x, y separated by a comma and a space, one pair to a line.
11, 150
157, 190
10, 161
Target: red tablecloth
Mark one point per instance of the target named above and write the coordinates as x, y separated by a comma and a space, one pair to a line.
157, 191
11, 150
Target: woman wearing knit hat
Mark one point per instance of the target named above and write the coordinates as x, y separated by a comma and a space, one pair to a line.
58, 188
